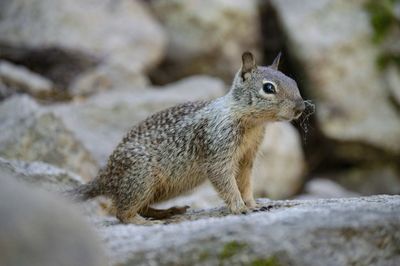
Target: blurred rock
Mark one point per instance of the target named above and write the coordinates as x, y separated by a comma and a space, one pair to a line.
280, 166
392, 75
38, 229
101, 121
371, 179
5, 91
103, 33
202, 197
323, 188
105, 77
40, 174
206, 37
334, 49
19, 78
52, 179
316, 232
30, 133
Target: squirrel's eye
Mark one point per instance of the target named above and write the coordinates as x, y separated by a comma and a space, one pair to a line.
269, 87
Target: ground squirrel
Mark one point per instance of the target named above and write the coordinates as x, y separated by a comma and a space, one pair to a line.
175, 150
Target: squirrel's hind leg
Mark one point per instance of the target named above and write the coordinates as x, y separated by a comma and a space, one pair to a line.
150, 212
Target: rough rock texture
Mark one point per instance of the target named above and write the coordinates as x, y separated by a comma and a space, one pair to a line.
352, 231
279, 168
21, 79
102, 120
206, 36
113, 32
38, 229
332, 40
51, 179
40, 174
30, 133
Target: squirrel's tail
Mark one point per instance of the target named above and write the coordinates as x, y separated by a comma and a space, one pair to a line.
84, 192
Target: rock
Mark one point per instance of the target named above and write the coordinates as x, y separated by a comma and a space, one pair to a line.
45, 176
228, 27
371, 179
52, 179
21, 79
101, 121
38, 229
5, 91
30, 133
340, 231
392, 77
203, 197
106, 77
323, 188
335, 51
279, 167
113, 33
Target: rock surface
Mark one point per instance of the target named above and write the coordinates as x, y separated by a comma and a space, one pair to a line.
30, 133
336, 52
371, 180
323, 188
40, 174
119, 33
206, 36
21, 79
43, 176
279, 168
359, 231
38, 229
102, 120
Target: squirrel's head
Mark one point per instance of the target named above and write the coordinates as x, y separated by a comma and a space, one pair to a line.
272, 95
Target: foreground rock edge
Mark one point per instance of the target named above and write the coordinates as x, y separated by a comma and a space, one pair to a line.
299, 232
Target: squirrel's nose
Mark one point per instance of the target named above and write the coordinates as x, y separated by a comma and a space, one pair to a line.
299, 108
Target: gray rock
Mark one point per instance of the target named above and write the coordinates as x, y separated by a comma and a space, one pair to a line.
323, 188
392, 77
371, 179
45, 176
30, 133
51, 179
21, 79
334, 49
106, 77
279, 167
115, 33
101, 121
38, 229
203, 197
358, 231
206, 37
5, 91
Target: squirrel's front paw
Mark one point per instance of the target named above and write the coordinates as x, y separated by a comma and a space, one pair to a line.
251, 203
239, 208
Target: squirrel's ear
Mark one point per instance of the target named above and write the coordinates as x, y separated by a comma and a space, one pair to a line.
248, 63
275, 64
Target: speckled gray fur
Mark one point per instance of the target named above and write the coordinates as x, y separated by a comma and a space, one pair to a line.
177, 149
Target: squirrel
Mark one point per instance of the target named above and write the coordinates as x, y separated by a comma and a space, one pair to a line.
175, 150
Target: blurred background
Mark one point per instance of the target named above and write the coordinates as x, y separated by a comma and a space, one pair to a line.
75, 75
